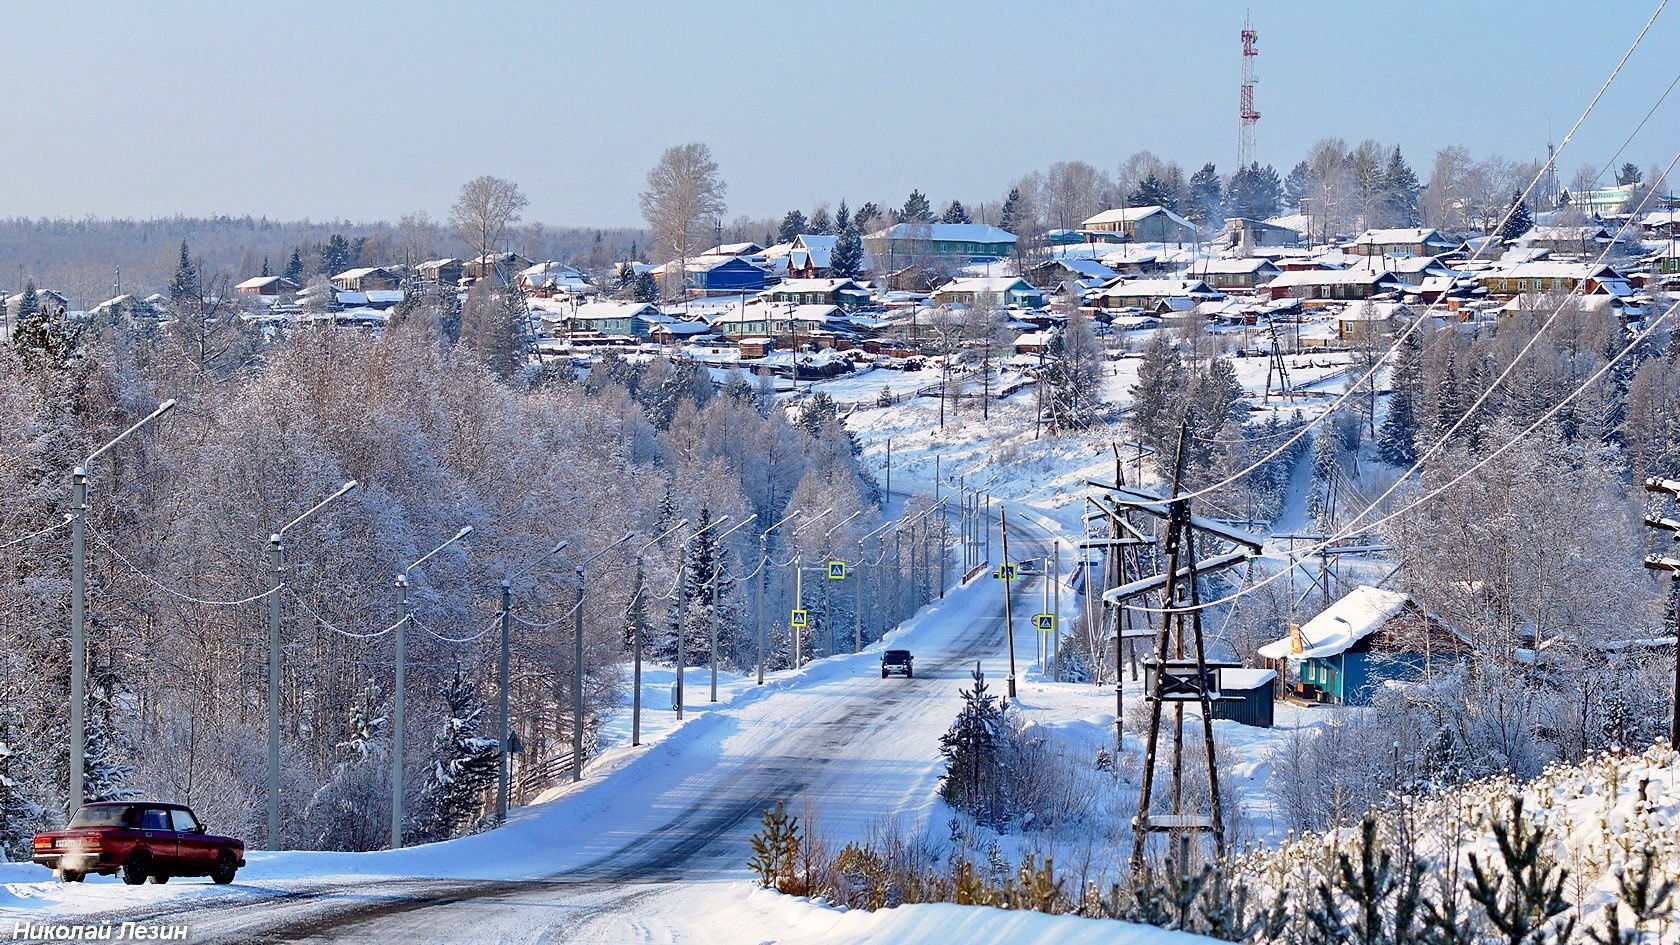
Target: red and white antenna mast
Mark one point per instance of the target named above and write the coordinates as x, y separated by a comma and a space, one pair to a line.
1247, 117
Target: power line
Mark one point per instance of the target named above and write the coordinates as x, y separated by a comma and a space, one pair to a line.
329, 625
179, 595
68, 518
495, 623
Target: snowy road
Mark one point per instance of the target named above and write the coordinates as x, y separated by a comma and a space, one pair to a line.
640, 855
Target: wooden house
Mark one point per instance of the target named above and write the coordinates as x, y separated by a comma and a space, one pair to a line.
439, 272
1551, 276
1366, 638
1401, 241
623, 319
920, 244
503, 266
842, 292
1143, 225
1057, 272
1366, 321
1242, 274
1586, 240
996, 291
1246, 235
811, 256
1160, 296
367, 278
1343, 284
1247, 696
269, 286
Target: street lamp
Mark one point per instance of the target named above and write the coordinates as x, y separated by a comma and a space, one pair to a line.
397, 700
78, 602
577, 656
857, 589
828, 594
682, 613
636, 633
503, 679
277, 558
799, 576
717, 568
763, 563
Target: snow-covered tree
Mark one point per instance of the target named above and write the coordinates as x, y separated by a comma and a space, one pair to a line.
1073, 378
1206, 196
955, 213
1397, 439
793, 224
1519, 221
973, 749
916, 209
20, 816
819, 224
847, 259
184, 284
463, 764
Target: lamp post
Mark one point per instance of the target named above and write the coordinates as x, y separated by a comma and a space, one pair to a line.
763, 564
397, 699
277, 561
857, 589
636, 636
682, 615
717, 568
799, 577
78, 603
828, 587
504, 680
577, 659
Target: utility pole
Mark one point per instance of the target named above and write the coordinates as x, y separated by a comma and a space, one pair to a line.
763, 566
638, 630
505, 684
1008, 619
717, 569
1672, 566
577, 659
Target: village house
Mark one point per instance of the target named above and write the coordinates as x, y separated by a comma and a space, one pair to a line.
547, 280
269, 286
504, 266
49, 301
908, 244
1585, 240
845, 293
1245, 235
1368, 321
624, 319
1553, 276
1143, 225
735, 249
441, 272
996, 291
720, 275
1241, 274
1661, 224
810, 256
370, 277
1406, 241
1343, 284
1056, 272
1159, 296
1367, 638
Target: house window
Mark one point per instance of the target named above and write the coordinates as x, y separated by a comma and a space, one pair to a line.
1522, 285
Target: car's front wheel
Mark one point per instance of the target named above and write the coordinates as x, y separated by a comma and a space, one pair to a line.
158, 879
138, 868
225, 867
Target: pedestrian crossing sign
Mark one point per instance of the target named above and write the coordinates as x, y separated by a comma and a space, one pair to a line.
1046, 623
799, 618
1006, 572
837, 570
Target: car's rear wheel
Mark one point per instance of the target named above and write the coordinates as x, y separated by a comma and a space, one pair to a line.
909, 673
70, 876
225, 867
883, 674
138, 868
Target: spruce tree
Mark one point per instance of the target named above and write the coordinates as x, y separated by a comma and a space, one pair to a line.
1298, 186
1009, 218
916, 209
1401, 189
818, 225
1255, 193
265, 272
793, 224
645, 290
41, 337
842, 217
464, 763
103, 771
1153, 192
184, 284
1397, 439
973, 748
19, 816
847, 259
1206, 196
1518, 222
365, 738
294, 266
955, 213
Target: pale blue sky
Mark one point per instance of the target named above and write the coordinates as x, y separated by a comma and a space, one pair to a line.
366, 110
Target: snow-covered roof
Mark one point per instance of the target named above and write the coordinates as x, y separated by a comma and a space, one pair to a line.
1150, 288
1133, 215
361, 273
1550, 269
1341, 625
734, 249
992, 284
258, 282
1245, 678
1088, 268
952, 232
1230, 267
814, 285
1375, 312
1402, 235
1290, 280
549, 268
610, 310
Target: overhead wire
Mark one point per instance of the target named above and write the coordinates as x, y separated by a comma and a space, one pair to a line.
172, 592
67, 519
324, 622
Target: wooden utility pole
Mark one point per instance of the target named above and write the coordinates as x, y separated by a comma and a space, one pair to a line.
1184, 674
1004, 576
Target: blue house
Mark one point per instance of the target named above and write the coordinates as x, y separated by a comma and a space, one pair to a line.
1367, 638
724, 275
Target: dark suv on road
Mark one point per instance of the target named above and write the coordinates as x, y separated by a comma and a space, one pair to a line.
897, 661
142, 840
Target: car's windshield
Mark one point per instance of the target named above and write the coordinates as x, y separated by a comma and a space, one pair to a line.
898, 654
101, 816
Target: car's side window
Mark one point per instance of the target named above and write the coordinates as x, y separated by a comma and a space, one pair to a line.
184, 820
154, 819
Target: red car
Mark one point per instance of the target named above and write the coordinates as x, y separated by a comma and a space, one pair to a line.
142, 840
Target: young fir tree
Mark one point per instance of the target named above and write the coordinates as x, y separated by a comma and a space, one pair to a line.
819, 224
463, 763
294, 266
1073, 378
916, 209
1153, 192
1206, 195
1519, 221
43, 338
842, 217
265, 272
973, 750
1326, 461
700, 556
793, 224
19, 816
1009, 218
1397, 438
1401, 189
1156, 396
955, 213
645, 290
847, 259
103, 771
1298, 186
365, 739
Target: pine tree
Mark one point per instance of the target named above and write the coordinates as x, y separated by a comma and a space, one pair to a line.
842, 217
1153, 192
1255, 193
916, 209
184, 284
464, 763
1009, 218
1519, 221
1629, 174
1397, 439
793, 224
955, 213
867, 214
103, 771
972, 749
42, 338
1298, 186
1206, 196
645, 290
334, 256
19, 816
847, 259
818, 224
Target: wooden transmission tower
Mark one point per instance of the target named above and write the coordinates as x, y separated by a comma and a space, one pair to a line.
1180, 671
